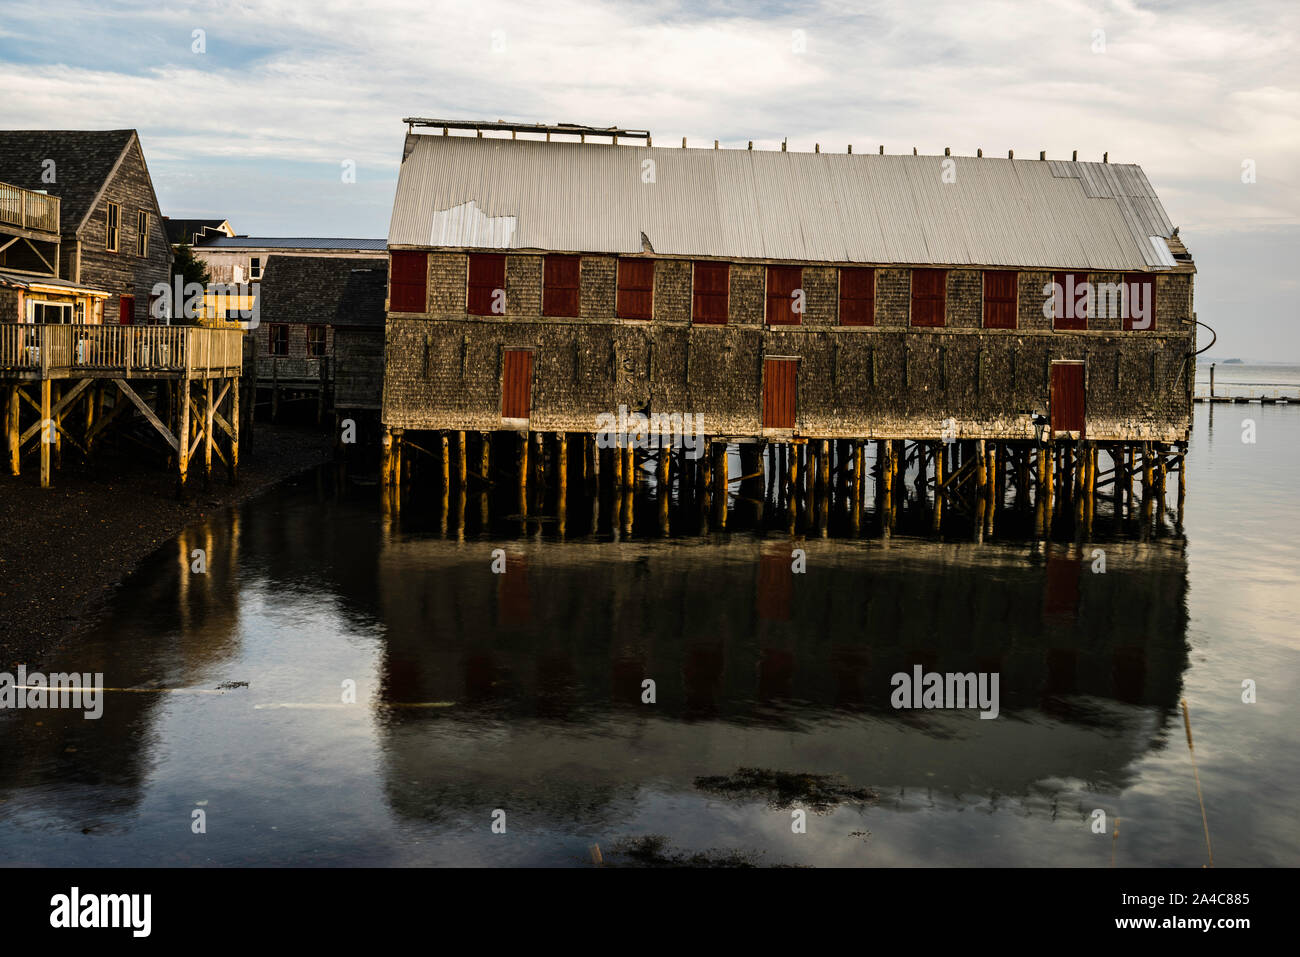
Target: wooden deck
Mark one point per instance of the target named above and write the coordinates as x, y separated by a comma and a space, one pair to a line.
187, 384
34, 351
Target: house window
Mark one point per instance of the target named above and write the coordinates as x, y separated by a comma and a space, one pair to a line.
711, 285
315, 341
1139, 302
857, 297
110, 234
929, 296
785, 298
1000, 298
560, 285
51, 311
636, 280
1071, 301
487, 284
277, 339
408, 282
141, 233
254, 268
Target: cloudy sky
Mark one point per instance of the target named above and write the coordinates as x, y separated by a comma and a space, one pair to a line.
253, 118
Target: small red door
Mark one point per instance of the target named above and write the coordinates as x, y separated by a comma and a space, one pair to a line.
126, 310
779, 382
1067, 397
517, 384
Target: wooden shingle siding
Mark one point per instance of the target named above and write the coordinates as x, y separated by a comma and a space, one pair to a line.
561, 285
710, 293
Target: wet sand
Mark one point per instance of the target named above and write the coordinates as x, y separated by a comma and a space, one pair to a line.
63, 550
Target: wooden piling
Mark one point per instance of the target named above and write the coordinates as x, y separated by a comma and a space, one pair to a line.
183, 433
11, 429
937, 518
462, 459
386, 458
207, 432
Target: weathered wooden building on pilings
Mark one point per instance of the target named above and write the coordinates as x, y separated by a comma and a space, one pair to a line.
948, 324
67, 383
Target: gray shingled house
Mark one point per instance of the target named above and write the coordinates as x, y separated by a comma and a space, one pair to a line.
321, 331
111, 229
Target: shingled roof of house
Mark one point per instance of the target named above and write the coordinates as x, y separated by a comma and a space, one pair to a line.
496, 193
83, 160
336, 290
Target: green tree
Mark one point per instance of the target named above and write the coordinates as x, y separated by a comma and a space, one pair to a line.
188, 268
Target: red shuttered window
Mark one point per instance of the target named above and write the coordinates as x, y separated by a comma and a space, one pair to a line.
408, 282
1140, 302
1000, 298
857, 297
784, 290
1070, 306
560, 285
712, 281
636, 283
487, 284
929, 296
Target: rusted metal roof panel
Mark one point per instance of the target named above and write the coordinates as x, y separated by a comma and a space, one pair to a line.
457, 191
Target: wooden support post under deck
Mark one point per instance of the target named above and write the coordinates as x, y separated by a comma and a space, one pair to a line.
1049, 489
859, 462
11, 430
562, 453
887, 496
462, 459
183, 434
386, 458
232, 463
1041, 493
523, 473
397, 459
937, 518
444, 441
46, 436
207, 432
485, 456
616, 459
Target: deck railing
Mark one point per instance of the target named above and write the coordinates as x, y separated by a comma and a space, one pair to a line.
28, 209
36, 347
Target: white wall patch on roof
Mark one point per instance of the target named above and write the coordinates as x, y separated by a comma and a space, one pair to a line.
467, 225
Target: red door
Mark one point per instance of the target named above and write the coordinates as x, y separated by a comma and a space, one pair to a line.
1067, 397
517, 384
126, 310
779, 381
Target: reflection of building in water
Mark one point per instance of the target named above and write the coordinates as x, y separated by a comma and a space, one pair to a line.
178, 625
755, 665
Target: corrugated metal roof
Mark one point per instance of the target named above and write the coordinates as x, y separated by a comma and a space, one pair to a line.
290, 242
460, 191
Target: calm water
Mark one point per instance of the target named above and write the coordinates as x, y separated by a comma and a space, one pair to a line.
522, 692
